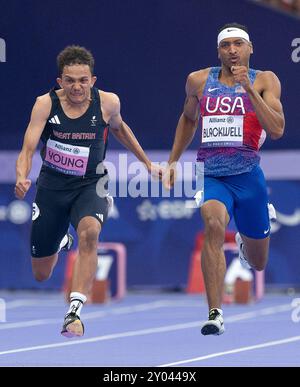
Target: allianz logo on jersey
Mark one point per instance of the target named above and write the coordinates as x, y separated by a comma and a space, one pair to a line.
2, 50
54, 120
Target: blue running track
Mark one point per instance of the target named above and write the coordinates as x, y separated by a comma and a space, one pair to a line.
147, 330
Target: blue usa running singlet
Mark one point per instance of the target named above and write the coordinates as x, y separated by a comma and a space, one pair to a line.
229, 128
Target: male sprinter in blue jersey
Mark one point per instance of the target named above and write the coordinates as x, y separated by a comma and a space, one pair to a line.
73, 122
232, 105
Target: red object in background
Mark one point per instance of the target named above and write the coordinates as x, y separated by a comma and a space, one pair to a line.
242, 289
100, 291
195, 279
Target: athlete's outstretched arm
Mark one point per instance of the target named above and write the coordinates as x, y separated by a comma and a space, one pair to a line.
186, 126
187, 123
39, 115
123, 133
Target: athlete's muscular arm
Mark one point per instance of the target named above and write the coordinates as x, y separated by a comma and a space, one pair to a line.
123, 133
267, 107
39, 115
187, 124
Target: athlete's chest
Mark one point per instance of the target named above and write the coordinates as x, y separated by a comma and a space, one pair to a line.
81, 124
217, 97
88, 127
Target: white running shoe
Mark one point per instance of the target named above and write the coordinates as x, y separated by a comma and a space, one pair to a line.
272, 212
242, 256
215, 323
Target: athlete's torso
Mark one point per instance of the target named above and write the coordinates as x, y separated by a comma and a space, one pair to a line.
72, 147
230, 132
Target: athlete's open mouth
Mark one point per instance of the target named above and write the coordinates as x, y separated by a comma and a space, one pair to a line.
234, 59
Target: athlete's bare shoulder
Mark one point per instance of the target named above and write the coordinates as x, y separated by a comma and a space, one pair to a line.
266, 80
43, 105
110, 104
266, 75
44, 99
196, 82
109, 99
199, 75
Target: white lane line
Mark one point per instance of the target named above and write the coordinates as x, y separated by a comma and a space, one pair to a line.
28, 302
262, 312
232, 351
29, 323
135, 309
167, 328
87, 316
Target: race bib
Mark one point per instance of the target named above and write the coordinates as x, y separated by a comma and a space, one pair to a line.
65, 158
222, 130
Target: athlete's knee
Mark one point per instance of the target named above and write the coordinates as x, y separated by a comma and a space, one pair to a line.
259, 265
258, 261
42, 268
41, 275
214, 226
88, 238
257, 254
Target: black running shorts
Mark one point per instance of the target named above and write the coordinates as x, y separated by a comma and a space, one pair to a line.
54, 210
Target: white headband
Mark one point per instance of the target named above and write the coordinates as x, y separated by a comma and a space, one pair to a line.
233, 32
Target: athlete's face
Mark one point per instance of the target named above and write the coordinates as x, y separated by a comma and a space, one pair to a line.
77, 80
234, 52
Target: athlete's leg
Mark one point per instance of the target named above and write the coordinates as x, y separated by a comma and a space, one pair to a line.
216, 218
216, 213
83, 274
87, 216
42, 268
256, 251
252, 219
50, 222
88, 231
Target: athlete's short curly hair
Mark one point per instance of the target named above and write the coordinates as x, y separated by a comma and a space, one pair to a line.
75, 55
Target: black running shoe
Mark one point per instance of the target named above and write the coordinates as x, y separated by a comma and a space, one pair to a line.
214, 325
73, 326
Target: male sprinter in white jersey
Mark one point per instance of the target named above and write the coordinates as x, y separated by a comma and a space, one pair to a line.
232, 105
73, 122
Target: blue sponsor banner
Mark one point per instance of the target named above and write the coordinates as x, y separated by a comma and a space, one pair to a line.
159, 234
15, 223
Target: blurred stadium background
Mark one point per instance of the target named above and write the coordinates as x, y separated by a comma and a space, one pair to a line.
144, 51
